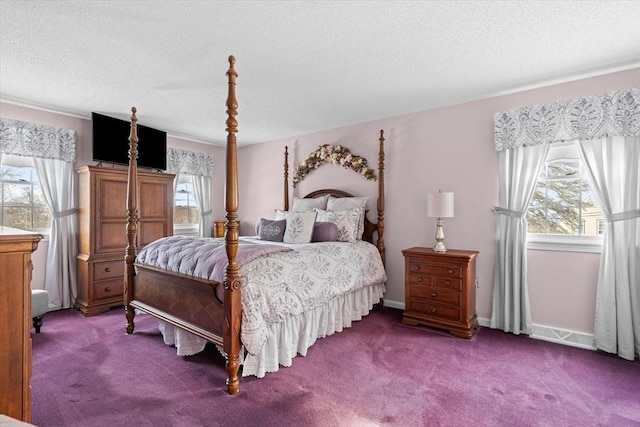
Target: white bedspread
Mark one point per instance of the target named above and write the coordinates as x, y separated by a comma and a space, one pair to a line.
289, 299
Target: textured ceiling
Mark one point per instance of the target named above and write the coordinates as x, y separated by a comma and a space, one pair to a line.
303, 66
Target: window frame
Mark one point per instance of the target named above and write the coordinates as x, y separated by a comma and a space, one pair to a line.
25, 162
189, 228
564, 242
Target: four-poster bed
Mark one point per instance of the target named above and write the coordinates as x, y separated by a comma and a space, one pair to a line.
210, 306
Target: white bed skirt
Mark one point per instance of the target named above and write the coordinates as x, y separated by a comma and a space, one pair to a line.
291, 337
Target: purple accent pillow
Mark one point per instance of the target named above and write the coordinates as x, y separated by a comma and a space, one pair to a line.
325, 232
272, 230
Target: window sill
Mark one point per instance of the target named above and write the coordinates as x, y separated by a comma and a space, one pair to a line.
552, 242
186, 230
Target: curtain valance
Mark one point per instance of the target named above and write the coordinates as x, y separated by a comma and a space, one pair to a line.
189, 162
616, 113
34, 140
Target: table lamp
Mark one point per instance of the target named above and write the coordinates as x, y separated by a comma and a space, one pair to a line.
440, 205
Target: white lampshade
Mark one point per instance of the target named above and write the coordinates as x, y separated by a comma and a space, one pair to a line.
440, 205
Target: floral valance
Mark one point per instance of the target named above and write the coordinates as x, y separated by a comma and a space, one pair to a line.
189, 162
615, 113
336, 155
33, 140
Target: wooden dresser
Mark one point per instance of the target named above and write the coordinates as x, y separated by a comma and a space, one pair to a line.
440, 290
102, 230
16, 247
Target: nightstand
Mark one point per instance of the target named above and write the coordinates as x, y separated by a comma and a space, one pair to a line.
440, 290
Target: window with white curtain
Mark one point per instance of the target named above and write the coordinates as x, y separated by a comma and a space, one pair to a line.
186, 217
22, 204
563, 213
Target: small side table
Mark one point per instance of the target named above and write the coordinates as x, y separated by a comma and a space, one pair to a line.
218, 230
440, 290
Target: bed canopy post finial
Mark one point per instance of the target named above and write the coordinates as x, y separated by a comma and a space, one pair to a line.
132, 221
286, 178
380, 240
232, 281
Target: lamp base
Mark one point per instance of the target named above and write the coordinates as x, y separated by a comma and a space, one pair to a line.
439, 246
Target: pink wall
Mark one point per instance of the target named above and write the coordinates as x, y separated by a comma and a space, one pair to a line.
450, 149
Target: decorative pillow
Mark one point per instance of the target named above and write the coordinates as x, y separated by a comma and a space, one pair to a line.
299, 227
307, 205
271, 230
325, 232
347, 203
346, 221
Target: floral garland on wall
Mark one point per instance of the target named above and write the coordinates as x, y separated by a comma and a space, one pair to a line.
336, 155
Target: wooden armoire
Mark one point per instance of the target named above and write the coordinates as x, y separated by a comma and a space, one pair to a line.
102, 230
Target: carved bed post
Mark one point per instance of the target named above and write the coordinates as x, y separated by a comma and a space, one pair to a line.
232, 281
380, 241
132, 221
286, 178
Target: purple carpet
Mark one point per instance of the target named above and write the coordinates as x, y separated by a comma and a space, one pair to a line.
88, 372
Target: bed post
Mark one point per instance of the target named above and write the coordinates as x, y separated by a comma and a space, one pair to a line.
380, 240
286, 178
232, 281
132, 221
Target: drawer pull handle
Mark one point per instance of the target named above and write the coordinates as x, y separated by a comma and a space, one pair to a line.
450, 271
433, 309
420, 279
417, 267
107, 289
448, 282
108, 269
433, 294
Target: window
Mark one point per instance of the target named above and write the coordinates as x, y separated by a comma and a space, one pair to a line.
185, 214
563, 211
22, 203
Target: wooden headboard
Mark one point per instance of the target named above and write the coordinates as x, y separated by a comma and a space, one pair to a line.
370, 228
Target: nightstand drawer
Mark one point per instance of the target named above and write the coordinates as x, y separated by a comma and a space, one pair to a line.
434, 310
420, 278
108, 289
436, 270
435, 295
108, 269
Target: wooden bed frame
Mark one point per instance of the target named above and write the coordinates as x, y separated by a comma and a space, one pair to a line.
188, 302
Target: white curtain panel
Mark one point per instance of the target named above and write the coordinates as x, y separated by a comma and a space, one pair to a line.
202, 192
613, 168
57, 182
54, 153
519, 170
200, 167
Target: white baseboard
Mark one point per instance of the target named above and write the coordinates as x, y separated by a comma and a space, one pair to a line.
394, 304
538, 332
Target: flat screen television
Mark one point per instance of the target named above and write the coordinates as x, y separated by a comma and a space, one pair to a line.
111, 143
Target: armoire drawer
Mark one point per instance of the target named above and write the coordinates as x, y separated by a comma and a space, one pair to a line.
108, 269
108, 289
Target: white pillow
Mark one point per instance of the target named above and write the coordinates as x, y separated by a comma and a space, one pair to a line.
306, 205
348, 203
299, 227
346, 221
280, 214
